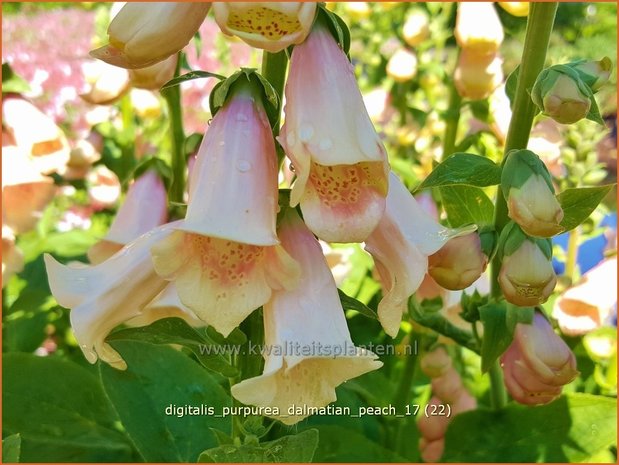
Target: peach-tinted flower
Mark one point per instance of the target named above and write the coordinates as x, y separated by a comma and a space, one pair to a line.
25, 192
103, 187
12, 256
477, 76
144, 208
82, 157
145, 103
166, 305
587, 305
108, 294
104, 83
459, 263
154, 76
340, 162
226, 259
478, 28
402, 66
537, 363
435, 363
561, 96
36, 134
310, 351
400, 245
433, 427
416, 27
145, 33
272, 26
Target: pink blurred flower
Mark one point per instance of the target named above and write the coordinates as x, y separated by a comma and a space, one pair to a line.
537, 363
103, 187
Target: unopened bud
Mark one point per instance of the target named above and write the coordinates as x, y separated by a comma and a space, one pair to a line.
478, 28
594, 73
527, 277
402, 66
529, 193
476, 76
459, 263
435, 363
516, 8
416, 27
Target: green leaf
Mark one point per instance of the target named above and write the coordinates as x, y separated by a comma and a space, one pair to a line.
177, 331
60, 412
464, 169
578, 204
570, 429
350, 303
510, 86
190, 77
11, 447
11, 82
298, 448
466, 205
157, 379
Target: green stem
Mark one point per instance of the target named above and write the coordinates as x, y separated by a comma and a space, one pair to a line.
274, 67
403, 394
539, 27
572, 253
498, 396
452, 121
172, 97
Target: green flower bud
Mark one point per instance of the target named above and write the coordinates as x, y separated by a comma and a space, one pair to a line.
560, 93
526, 277
593, 73
529, 193
459, 263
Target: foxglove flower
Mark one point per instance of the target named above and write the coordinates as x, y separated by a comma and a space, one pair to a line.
400, 246
516, 8
105, 295
166, 305
144, 208
478, 28
226, 258
402, 66
537, 363
310, 349
145, 33
83, 155
477, 76
594, 73
340, 162
105, 83
272, 26
416, 27
435, 363
459, 263
103, 187
154, 76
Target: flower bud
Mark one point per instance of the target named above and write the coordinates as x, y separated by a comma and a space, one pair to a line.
594, 73
402, 66
433, 427
529, 193
103, 187
561, 94
146, 33
358, 10
478, 28
448, 387
537, 363
104, 83
516, 8
145, 103
83, 155
432, 451
459, 263
526, 276
272, 26
154, 76
416, 27
476, 76
435, 363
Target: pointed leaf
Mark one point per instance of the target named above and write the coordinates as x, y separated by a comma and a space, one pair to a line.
578, 204
464, 169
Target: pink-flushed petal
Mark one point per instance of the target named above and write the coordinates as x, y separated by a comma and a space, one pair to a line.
220, 280
233, 186
271, 26
431, 427
310, 351
166, 305
103, 250
103, 296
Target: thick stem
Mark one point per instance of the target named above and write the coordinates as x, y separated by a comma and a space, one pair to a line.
539, 27
452, 120
274, 67
172, 97
498, 396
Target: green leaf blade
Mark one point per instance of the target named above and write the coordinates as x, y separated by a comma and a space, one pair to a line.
464, 169
578, 204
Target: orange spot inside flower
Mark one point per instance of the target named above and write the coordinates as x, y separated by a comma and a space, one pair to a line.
345, 185
227, 262
270, 24
46, 147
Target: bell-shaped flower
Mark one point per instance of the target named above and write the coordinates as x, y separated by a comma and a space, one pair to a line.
588, 304
144, 208
226, 259
477, 76
145, 103
154, 76
106, 295
105, 83
145, 33
12, 256
416, 27
528, 190
537, 363
25, 192
402, 66
340, 162
400, 246
166, 305
459, 263
516, 8
478, 28
103, 187
272, 26
35, 133
435, 363
308, 349
83, 155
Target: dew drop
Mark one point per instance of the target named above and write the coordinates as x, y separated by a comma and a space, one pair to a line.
243, 166
325, 144
306, 132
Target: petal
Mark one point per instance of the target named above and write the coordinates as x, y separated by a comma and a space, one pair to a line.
166, 305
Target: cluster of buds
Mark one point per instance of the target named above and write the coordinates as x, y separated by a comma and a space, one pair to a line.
537, 363
402, 65
479, 33
447, 388
565, 92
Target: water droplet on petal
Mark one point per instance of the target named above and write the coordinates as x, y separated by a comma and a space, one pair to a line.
325, 144
306, 132
243, 166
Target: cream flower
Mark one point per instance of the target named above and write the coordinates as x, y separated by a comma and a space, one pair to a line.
308, 349
226, 259
400, 245
340, 162
104, 83
154, 76
478, 28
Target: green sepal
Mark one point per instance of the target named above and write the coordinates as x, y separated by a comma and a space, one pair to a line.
162, 169
470, 305
190, 76
519, 167
336, 25
489, 240
545, 245
511, 239
590, 79
221, 92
